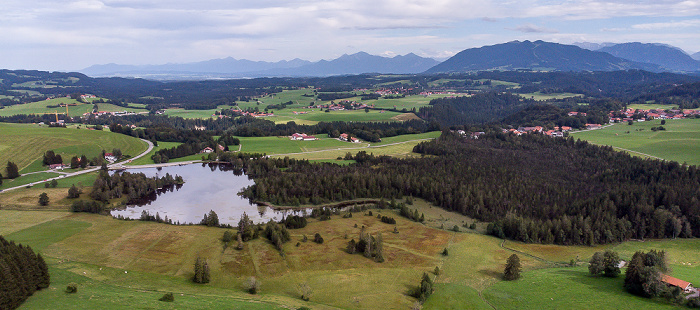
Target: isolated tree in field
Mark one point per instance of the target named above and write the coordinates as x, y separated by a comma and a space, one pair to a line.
43, 199
513, 268
252, 285
211, 219
12, 170
611, 263
379, 248
201, 271
245, 227
74, 192
595, 265
305, 291
426, 288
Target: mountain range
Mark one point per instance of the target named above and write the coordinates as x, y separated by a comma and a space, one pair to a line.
515, 55
231, 68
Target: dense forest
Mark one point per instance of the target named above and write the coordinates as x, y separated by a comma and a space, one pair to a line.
22, 272
532, 188
480, 108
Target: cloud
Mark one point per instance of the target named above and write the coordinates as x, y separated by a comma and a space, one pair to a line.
668, 25
530, 28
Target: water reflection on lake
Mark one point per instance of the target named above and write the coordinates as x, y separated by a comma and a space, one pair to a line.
207, 187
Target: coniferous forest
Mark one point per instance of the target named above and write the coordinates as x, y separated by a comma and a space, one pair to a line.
22, 272
532, 188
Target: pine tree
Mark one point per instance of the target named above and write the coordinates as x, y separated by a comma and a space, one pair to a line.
198, 270
379, 248
513, 268
12, 170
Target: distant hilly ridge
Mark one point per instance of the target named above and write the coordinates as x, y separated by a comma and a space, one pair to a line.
666, 56
537, 55
515, 55
229, 67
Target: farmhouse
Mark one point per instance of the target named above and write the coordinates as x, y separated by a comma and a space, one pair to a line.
302, 136
56, 166
207, 150
593, 126
110, 157
671, 281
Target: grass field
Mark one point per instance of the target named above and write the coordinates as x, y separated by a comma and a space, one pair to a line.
566, 288
146, 159
650, 106
540, 96
329, 149
679, 142
31, 141
130, 264
41, 107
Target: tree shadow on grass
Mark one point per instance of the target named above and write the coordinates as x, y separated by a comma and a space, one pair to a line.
492, 274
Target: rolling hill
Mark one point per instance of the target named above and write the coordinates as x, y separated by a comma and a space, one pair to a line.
537, 55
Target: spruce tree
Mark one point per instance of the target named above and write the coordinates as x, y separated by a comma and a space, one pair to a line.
513, 268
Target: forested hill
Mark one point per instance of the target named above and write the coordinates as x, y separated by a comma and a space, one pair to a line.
537, 55
534, 188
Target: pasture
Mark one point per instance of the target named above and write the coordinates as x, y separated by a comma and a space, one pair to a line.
25, 144
542, 97
127, 264
75, 108
679, 142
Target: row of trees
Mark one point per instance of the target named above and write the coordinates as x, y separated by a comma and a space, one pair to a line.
22, 272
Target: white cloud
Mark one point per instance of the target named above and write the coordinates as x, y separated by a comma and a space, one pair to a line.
669, 25
531, 28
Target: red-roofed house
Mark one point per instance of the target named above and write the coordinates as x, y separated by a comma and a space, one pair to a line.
684, 285
207, 150
344, 137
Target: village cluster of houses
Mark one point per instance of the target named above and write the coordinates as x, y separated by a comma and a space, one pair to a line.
340, 106
101, 113
556, 132
650, 114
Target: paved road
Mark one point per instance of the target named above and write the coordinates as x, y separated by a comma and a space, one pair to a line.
72, 174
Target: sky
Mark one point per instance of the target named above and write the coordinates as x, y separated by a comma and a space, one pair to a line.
68, 35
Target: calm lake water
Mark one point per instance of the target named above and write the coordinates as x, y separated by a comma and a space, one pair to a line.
207, 187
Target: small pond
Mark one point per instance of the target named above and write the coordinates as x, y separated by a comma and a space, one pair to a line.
207, 187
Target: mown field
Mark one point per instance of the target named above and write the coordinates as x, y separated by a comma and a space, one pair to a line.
300, 104
679, 142
130, 264
41, 107
25, 144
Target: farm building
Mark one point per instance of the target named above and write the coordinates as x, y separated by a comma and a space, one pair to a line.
671, 281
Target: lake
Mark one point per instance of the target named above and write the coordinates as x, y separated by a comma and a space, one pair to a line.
207, 187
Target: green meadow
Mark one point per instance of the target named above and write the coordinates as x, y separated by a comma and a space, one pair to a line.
42, 107
541, 97
25, 144
130, 264
679, 142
